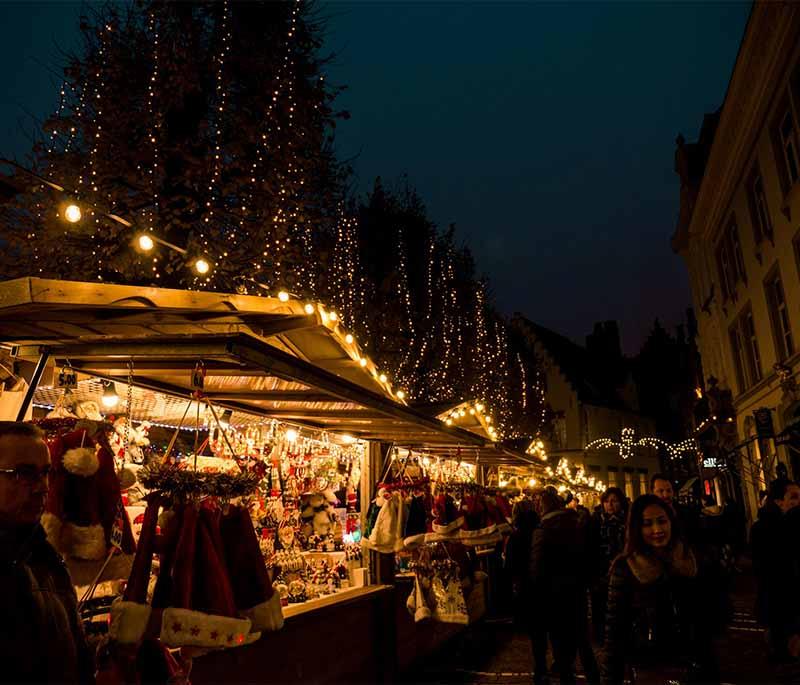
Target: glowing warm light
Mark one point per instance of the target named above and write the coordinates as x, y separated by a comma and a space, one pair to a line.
348, 439
479, 407
362, 361
73, 213
334, 316
449, 422
291, 435
472, 411
309, 308
401, 394
145, 243
488, 419
699, 393
383, 378
110, 398
202, 266
532, 482
283, 296
349, 339
503, 483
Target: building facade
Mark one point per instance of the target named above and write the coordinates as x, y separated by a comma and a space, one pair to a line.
591, 395
739, 234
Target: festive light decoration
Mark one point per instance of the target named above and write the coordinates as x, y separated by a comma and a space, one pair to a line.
145, 242
72, 213
201, 266
627, 444
110, 398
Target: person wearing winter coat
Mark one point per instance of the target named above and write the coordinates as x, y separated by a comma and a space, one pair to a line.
41, 639
772, 564
606, 542
655, 626
557, 588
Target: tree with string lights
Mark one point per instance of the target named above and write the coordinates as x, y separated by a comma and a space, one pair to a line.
204, 124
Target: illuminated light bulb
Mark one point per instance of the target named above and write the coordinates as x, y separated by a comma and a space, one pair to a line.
334, 316
283, 296
348, 439
363, 362
202, 266
472, 411
110, 398
145, 243
503, 483
400, 394
291, 435
479, 407
488, 419
73, 213
383, 378
309, 308
532, 482
225, 419
349, 339
449, 422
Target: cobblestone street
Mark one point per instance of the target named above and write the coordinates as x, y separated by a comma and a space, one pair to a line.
496, 651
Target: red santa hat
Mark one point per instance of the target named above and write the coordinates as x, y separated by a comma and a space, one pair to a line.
84, 505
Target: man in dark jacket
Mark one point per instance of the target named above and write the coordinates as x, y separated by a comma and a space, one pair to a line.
558, 587
41, 639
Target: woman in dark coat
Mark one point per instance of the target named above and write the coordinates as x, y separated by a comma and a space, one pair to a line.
655, 625
606, 541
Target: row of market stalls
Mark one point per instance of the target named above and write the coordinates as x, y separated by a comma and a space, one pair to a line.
239, 468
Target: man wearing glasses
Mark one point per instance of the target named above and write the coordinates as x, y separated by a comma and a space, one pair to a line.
41, 638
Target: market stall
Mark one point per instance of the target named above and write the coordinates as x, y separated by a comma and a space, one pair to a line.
248, 380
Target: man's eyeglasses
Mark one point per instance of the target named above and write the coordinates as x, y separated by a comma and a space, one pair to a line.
27, 474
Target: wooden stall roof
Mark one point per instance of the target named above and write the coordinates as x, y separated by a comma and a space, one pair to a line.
263, 357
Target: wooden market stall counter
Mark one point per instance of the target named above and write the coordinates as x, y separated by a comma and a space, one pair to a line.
346, 637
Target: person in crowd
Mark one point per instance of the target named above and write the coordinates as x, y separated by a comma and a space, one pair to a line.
655, 625
606, 541
524, 521
42, 639
791, 532
558, 588
772, 563
572, 501
687, 519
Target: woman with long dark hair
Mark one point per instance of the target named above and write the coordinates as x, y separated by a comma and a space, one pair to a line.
654, 624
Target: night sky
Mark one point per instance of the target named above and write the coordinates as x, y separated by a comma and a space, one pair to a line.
544, 131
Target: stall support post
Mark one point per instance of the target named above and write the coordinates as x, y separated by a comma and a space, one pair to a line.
44, 356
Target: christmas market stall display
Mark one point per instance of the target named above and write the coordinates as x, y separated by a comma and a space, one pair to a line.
246, 435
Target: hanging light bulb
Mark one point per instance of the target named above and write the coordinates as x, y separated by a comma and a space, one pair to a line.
291, 435
110, 398
309, 308
225, 419
283, 296
400, 394
72, 213
348, 439
383, 378
334, 316
201, 266
349, 339
479, 407
362, 361
145, 242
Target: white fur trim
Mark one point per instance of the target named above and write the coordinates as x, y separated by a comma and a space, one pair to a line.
490, 539
449, 528
266, 616
467, 535
414, 540
84, 542
52, 527
128, 621
184, 627
81, 461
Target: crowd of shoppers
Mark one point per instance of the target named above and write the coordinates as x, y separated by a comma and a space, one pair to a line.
651, 573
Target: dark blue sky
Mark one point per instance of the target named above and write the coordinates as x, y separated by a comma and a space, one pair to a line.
545, 131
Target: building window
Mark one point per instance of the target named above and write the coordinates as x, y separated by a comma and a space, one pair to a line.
744, 348
629, 485
759, 210
730, 261
643, 484
787, 138
779, 314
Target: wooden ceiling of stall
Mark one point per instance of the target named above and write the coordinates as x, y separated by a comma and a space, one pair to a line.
263, 357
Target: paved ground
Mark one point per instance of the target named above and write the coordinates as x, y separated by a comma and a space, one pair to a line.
495, 651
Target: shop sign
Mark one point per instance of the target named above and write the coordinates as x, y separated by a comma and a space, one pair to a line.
710, 463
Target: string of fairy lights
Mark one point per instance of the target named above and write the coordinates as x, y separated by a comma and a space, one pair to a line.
627, 444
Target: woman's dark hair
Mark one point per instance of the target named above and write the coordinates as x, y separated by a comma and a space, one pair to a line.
613, 490
20, 429
634, 540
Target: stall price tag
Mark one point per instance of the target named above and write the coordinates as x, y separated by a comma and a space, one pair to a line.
67, 378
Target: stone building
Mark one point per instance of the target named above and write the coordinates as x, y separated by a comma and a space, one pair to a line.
591, 394
739, 233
